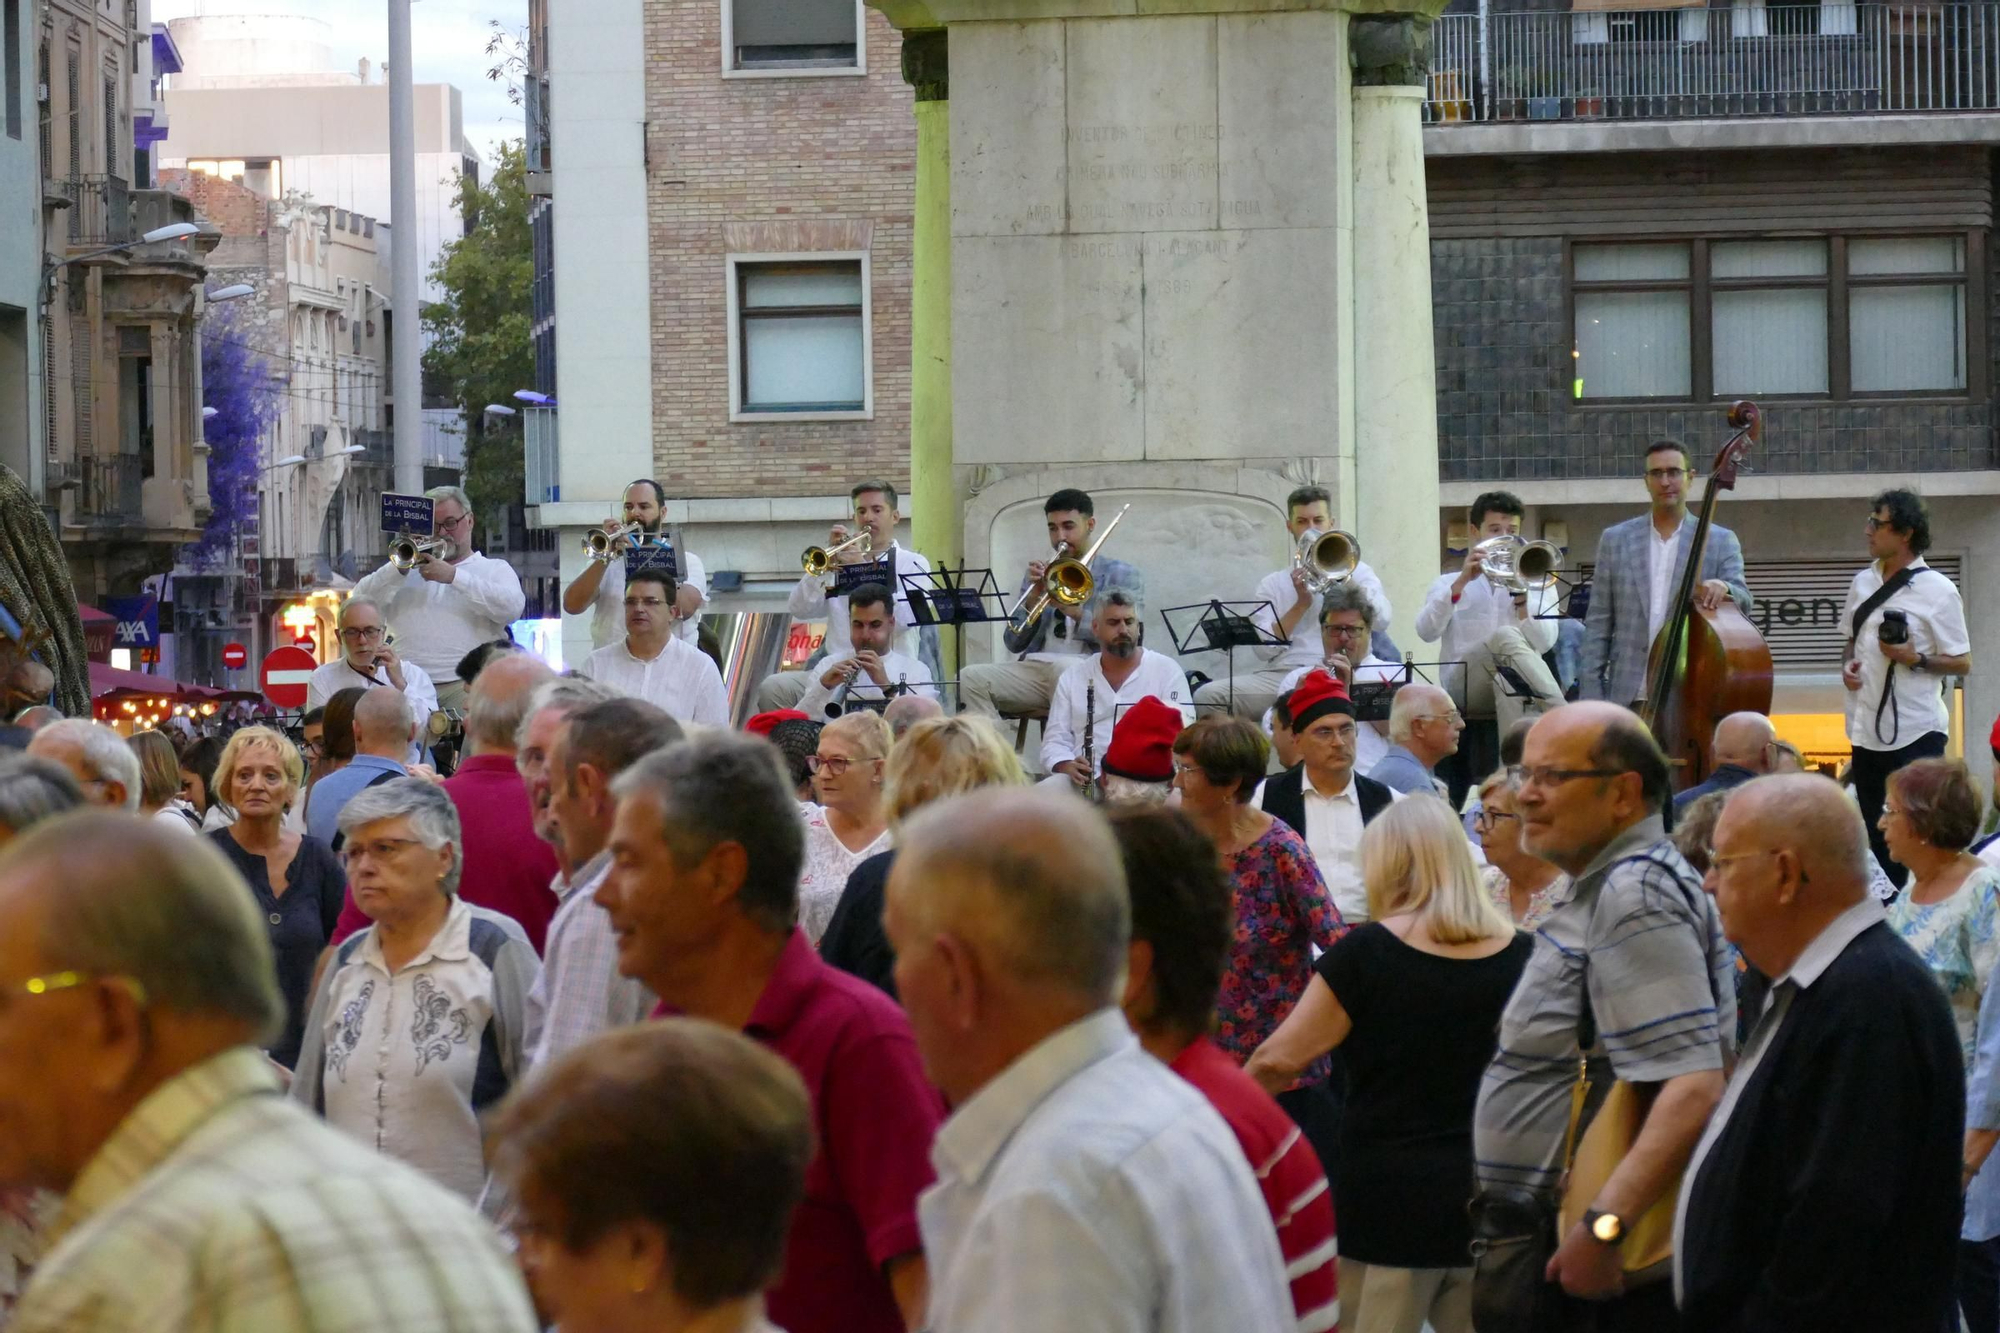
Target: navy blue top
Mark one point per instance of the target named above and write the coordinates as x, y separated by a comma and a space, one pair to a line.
301, 920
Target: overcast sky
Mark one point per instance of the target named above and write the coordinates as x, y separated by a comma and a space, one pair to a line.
449, 36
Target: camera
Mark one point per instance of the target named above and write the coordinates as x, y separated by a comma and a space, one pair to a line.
1895, 627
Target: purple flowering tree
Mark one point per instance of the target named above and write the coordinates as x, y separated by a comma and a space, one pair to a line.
243, 386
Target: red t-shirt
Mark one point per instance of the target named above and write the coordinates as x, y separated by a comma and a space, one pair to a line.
507, 868
874, 1116
1288, 1171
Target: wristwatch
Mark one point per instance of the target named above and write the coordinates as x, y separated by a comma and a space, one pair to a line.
1923, 661
1606, 1228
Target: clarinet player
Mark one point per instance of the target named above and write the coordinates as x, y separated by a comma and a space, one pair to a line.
1090, 694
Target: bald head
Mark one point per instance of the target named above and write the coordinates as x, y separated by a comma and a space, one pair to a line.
1031, 880
500, 701
1809, 816
384, 724
1790, 857
906, 710
1744, 739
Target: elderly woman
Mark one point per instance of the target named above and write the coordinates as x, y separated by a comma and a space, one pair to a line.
616, 1156
160, 781
417, 1026
848, 824
1282, 906
295, 878
1413, 1001
1949, 912
933, 760
1523, 886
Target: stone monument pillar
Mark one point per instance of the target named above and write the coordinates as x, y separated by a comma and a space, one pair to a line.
1189, 271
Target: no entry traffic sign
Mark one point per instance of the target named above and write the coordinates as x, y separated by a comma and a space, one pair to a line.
285, 674
235, 655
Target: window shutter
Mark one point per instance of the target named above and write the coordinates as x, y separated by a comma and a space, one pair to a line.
794, 23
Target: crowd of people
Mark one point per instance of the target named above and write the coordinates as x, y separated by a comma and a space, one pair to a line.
838, 1023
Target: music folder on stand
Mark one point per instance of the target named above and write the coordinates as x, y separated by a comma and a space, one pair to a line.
954, 597
1223, 627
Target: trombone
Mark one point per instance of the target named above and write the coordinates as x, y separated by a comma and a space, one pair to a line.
405, 551
1067, 580
597, 543
1517, 564
817, 560
1328, 558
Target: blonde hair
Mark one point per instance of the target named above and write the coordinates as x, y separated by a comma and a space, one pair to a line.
867, 729
243, 739
1414, 858
942, 757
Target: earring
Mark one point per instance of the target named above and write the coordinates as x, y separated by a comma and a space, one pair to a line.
640, 1286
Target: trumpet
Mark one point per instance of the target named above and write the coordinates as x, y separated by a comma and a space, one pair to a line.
597, 543
1517, 564
817, 560
1067, 580
405, 551
1328, 558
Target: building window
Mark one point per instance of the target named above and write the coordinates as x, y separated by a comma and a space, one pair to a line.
110, 121
799, 336
10, 51
781, 37
1830, 318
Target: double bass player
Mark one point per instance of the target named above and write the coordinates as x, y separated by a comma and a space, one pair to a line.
1640, 563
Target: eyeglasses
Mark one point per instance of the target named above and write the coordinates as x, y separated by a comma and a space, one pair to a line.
56, 981
1485, 818
1180, 768
1452, 717
1665, 473
650, 603
380, 849
362, 633
833, 765
1716, 862
444, 522
1877, 524
1327, 734
1544, 776
1345, 631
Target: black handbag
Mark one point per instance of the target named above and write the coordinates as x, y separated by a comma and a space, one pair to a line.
1513, 1239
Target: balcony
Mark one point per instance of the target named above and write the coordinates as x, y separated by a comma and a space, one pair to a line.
1680, 64
111, 491
100, 211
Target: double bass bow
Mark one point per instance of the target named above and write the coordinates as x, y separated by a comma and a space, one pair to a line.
1706, 664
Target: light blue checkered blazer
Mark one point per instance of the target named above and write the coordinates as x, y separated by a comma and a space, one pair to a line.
1615, 642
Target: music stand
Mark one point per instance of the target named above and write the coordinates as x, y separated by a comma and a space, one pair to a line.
1571, 604
1223, 627
954, 597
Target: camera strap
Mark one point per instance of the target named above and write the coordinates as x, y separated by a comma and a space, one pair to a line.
1890, 587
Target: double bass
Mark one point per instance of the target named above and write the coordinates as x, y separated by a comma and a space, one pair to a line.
1706, 665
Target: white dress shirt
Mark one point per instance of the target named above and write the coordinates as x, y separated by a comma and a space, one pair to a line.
1937, 627
681, 681
1062, 735
1333, 832
1661, 555
607, 609
436, 624
1371, 739
809, 599
579, 991
330, 678
899, 666
1304, 648
1089, 1187
1460, 629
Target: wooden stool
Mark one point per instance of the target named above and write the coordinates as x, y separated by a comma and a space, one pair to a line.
1021, 732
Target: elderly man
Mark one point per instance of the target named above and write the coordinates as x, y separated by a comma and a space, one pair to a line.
1324, 800
507, 868
703, 895
367, 662
453, 600
96, 756
1630, 967
906, 710
1745, 747
1825, 1191
580, 991
32, 790
1094, 691
384, 730
130, 1081
1080, 1183
1424, 727
553, 702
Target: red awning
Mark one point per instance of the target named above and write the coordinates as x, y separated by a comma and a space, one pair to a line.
92, 616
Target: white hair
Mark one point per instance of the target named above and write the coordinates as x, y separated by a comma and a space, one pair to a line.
1408, 705
353, 602
105, 753
569, 693
433, 818
439, 494
1117, 596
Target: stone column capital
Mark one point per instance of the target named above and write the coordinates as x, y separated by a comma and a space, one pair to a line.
927, 63
1390, 48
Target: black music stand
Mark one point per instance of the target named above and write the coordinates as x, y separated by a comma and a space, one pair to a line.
1573, 603
1223, 627
954, 597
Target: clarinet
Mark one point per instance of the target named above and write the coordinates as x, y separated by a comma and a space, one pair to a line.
837, 705
1090, 787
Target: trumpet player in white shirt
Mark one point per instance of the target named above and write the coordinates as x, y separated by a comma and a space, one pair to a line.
600, 588
1346, 626
1292, 598
1109, 680
1489, 622
870, 666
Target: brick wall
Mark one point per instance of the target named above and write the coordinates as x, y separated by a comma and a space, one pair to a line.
236, 211
826, 158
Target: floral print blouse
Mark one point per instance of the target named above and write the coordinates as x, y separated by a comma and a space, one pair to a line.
1959, 940
1282, 911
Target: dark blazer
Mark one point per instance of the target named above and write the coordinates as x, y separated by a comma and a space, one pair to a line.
1285, 797
1728, 777
1830, 1199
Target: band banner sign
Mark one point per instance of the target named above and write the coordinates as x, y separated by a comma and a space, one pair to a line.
655, 557
878, 570
415, 515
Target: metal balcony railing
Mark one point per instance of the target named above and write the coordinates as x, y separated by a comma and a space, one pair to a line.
100, 211
1648, 64
112, 489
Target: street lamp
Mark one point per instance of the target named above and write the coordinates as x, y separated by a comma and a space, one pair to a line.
290, 460
208, 412
538, 399
500, 410
173, 231
229, 293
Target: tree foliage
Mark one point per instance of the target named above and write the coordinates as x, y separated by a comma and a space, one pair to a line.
480, 350
244, 387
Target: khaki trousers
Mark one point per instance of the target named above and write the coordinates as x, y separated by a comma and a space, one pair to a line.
782, 690
1375, 1298
1487, 696
996, 689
